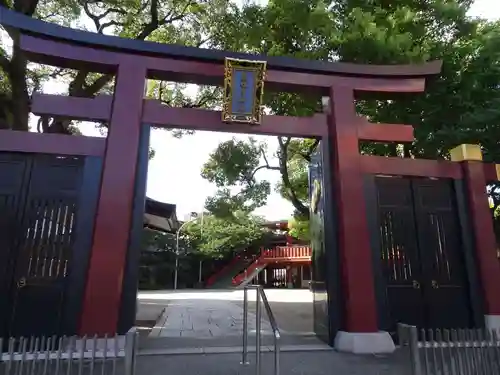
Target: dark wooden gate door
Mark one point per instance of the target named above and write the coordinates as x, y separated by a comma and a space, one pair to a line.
14, 170
44, 249
421, 252
400, 258
444, 284
39, 195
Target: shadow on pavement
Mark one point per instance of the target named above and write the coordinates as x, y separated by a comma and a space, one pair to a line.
306, 354
303, 363
235, 342
291, 317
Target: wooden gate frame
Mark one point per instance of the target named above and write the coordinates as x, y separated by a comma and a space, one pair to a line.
126, 111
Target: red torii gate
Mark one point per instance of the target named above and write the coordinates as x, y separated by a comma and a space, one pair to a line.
127, 111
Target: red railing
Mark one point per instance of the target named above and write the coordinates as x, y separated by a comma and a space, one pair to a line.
238, 279
289, 253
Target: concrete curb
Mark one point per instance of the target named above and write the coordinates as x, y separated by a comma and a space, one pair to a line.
155, 332
232, 350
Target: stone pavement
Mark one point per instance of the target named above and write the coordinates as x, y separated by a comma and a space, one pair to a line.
292, 308
200, 333
204, 314
210, 313
148, 311
227, 344
300, 363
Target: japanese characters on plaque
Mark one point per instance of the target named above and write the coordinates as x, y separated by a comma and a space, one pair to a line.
243, 91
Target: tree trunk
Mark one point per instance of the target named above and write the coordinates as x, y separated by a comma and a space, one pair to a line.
5, 117
19, 88
283, 158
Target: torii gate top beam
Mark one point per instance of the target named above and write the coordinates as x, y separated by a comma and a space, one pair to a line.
42, 42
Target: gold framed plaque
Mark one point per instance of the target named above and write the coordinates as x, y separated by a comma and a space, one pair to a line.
243, 91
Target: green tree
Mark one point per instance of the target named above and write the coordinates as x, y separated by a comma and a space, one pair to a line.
234, 168
187, 22
157, 262
459, 106
221, 236
299, 228
215, 239
236, 163
156, 241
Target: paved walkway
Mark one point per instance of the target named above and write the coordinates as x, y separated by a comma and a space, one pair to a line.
210, 313
204, 319
293, 309
300, 363
201, 333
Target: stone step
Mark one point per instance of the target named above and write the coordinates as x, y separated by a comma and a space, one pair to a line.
225, 341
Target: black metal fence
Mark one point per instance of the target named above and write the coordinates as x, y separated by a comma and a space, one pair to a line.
70, 355
451, 352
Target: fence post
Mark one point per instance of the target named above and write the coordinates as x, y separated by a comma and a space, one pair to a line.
244, 359
403, 334
258, 333
416, 365
276, 356
130, 351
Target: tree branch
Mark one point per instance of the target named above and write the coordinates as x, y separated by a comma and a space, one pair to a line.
310, 150
153, 24
78, 86
264, 156
263, 167
48, 16
97, 85
58, 72
202, 42
203, 100
154, 12
108, 24
112, 10
266, 166
283, 158
4, 63
43, 125
27, 7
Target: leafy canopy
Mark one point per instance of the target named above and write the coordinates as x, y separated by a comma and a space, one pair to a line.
461, 105
187, 22
216, 237
235, 164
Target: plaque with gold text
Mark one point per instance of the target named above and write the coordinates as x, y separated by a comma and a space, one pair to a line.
243, 91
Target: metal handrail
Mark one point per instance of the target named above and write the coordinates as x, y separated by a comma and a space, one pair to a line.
260, 295
269, 311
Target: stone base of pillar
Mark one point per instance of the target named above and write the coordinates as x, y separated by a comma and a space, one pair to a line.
492, 321
364, 343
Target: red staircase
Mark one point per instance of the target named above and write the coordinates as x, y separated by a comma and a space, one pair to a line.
212, 279
279, 254
259, 262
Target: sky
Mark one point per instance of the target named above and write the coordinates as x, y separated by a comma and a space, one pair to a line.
174, 172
